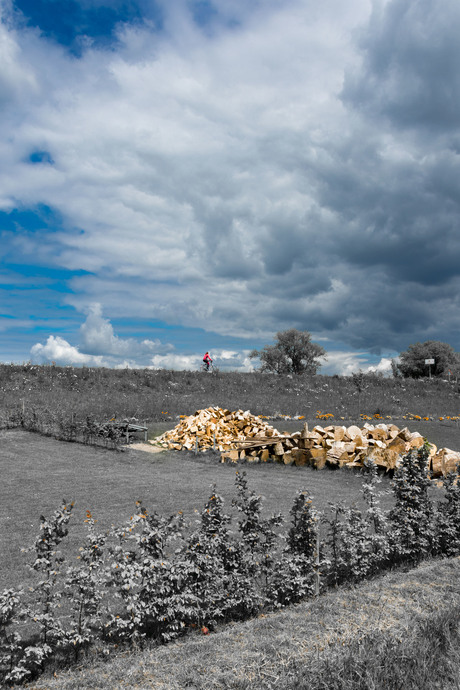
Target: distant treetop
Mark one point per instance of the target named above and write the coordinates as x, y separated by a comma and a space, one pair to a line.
412, 363
292, 353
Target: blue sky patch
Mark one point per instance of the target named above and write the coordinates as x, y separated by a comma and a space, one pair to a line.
41, 157
65, 21
30, 220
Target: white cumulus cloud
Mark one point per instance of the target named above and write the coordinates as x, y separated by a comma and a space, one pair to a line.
97, 337
58, 350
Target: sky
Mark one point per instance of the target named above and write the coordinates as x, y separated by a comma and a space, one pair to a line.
179, 176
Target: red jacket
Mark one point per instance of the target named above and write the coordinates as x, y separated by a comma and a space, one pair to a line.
207, 358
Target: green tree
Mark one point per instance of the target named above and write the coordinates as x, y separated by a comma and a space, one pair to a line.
412, 362
292, 353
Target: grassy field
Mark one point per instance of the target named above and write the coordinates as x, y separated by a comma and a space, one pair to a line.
153, 396
38, 472
277, 650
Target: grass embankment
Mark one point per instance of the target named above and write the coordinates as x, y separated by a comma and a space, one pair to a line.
152, 396
398, 631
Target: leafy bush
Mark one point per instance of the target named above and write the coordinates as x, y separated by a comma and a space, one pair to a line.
448, 529
297, 573
413, 530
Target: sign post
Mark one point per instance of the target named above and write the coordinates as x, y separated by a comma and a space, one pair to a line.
429, 362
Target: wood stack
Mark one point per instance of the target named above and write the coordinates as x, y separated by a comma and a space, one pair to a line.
340, 446
241, 436
336, 446
216, 428
444, 461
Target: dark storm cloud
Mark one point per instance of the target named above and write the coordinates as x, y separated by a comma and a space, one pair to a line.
392, 183
410, 68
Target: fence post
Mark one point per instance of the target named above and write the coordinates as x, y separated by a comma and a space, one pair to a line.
317, 565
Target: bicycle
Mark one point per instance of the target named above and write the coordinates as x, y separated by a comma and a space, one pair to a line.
206, 367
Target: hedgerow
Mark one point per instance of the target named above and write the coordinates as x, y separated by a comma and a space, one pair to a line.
155, 578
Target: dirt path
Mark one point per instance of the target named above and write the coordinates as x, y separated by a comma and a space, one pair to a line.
147, 447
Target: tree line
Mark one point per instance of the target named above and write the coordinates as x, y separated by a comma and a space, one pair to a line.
294, 352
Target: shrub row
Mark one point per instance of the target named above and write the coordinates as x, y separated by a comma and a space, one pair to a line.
64, 427
156, 577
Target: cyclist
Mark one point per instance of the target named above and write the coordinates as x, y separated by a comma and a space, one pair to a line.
207, 361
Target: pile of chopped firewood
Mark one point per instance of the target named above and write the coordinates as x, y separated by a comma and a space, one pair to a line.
215, 428
341, 446
241, 436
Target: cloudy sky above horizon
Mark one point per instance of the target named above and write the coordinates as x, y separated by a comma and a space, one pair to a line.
184, 175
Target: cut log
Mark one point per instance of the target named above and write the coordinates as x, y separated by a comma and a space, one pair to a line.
319, 430
300, 457
317, 457
353, 431
345, 459
230, 456
304, 432
378, 456
307, 443
436, 465
416, 441
405, 434
339, 433
378, 434
398, 445
288, 458
264, 455
278, 449
449, 461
